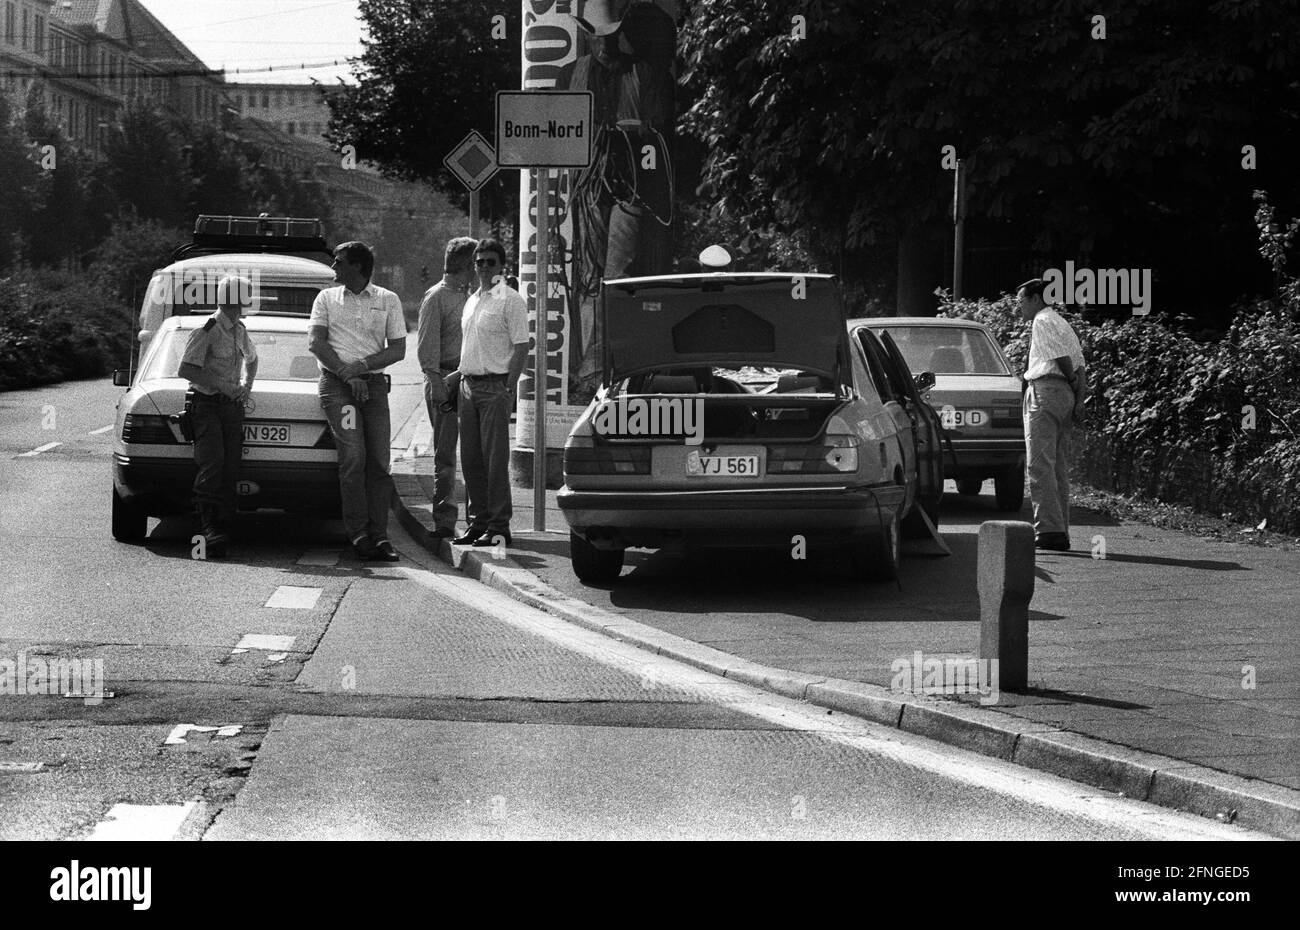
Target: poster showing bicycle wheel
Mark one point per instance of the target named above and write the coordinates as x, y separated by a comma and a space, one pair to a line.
614, 218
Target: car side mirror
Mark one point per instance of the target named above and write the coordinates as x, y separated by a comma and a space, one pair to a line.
924, 381
122, 377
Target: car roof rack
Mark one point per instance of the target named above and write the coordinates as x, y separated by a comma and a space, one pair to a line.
215, 235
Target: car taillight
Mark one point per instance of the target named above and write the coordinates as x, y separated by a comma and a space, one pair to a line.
582, 456
835, 453
147, 428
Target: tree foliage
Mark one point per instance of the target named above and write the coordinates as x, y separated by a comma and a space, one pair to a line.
428, 75
1131, 145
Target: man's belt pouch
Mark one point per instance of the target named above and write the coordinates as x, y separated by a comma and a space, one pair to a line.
184, 420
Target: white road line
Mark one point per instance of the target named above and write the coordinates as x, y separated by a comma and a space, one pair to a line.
102, 429
958, 765
149, 822
39, 449
294, 597
271, 643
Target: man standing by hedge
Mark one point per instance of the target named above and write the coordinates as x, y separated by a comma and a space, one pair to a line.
1056, 387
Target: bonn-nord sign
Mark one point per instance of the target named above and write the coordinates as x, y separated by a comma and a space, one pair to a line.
543, 129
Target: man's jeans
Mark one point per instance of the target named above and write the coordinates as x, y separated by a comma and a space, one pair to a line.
446, 432
218, 453
361, 433
1048, 411
485, 452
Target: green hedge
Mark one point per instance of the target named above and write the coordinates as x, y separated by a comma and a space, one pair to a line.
1169, 415
55, 326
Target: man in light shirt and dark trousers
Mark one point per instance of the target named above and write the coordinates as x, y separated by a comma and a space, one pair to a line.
356, 330
1056, 385
493, 350
438, 347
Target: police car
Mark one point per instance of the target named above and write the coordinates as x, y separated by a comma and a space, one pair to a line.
290, 462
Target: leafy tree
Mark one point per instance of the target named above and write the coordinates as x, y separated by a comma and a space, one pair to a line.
20, 186
147, 170
62, 231
427, 77
1127, 147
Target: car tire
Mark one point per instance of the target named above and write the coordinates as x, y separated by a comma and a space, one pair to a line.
592, 565
914, 527
1009, 486
876, 557
969, 487
130, 523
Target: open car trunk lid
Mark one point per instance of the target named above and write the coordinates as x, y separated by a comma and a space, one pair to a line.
668, 323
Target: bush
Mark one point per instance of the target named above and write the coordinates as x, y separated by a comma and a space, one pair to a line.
1170, 416
55, 326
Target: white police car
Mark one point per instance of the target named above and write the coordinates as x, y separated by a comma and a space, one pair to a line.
290, 462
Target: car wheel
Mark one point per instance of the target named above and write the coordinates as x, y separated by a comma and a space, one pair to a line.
914, 527
129, 522
876, 557
1010, 488
969, 487
592, 565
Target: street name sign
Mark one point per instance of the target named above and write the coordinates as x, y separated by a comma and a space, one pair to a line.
544, 128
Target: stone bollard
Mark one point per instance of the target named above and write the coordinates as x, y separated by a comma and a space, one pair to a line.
1006, 585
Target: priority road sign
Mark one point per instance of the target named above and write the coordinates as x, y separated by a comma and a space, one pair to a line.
473, 162
544, 128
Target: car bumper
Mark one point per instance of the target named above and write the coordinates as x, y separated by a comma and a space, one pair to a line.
728, 518
983, 458
166, 485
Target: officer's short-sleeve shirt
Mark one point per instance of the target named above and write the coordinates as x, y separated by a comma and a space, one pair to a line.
1050, 338
222, 347
493, 323
359, 324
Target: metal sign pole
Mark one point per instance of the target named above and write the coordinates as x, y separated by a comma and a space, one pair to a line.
473, 213
539, 350
959, 222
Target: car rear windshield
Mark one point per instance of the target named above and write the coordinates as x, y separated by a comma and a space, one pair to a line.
175, 297
948, 350
280, 356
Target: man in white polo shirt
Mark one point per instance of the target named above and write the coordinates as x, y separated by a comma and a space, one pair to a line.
1056, 387
356, 330
494, 347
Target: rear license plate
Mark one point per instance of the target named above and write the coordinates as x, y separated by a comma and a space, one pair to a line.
722, 466
955, 418
266, 434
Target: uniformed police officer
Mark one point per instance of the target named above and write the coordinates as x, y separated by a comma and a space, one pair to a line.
220, 363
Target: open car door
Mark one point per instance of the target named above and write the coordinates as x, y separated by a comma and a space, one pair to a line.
929, 433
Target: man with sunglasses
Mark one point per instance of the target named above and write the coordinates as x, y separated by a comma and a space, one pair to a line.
493, 350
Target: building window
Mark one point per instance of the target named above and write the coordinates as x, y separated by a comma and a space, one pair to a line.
27, 30
11, 23
266, 101
40, 35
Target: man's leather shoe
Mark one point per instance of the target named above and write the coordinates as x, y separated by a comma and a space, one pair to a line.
471, 534
1057, 542
364, 549
384, 552
491, 538
441, 532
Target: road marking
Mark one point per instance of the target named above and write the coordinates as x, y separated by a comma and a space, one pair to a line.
958, 765
102, 429
325, 557
181, 730
21, 768
143, 821
39, 449
271, 643
294, 597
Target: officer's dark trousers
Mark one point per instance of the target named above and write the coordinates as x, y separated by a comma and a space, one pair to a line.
218, 451
485, 452
361, 433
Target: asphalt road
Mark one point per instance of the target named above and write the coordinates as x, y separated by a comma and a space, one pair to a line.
406, 701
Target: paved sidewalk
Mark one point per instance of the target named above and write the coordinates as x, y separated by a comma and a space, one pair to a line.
1166, 670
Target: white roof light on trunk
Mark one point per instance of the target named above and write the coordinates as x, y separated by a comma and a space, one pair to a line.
715, 257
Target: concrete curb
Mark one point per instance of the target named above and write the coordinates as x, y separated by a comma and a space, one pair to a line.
1143, 776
